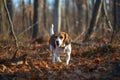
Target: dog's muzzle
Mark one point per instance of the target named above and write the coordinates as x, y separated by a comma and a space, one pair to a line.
57, 43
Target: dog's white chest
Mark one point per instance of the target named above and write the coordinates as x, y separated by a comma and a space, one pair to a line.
66, 49
61, 50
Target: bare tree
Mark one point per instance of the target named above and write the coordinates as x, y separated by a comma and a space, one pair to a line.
10, 9
23, 14
12, 30
30, 16
57, 16
1, 14
106, 15
44, 13
81, 7
67, 14
93, 3
117, 2
9, 5
35, 19
95, 17
30, 11
116, 16
3, 19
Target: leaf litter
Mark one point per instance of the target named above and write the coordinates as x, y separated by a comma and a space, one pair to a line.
90, 63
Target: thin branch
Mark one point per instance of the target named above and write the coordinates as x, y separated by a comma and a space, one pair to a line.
28, 29
11, 28
80, 36
94, 19
106, 15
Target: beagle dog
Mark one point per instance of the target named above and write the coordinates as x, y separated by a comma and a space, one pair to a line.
60, 43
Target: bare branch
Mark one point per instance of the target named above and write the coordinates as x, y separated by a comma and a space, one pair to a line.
106, 15
11, 28
94, 20
27, 29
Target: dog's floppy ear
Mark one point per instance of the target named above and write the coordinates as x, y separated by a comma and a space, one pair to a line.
52, 40
67, 39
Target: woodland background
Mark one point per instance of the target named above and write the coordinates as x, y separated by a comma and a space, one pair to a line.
93, 25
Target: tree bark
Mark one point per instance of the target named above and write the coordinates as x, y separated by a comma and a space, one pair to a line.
117, 15
81, 7
10, 9
66, 22
95, 17
44, 13
106, 15
1, 14
30, 12
23, 14
115, 20
30, 16
4, 23
35, 19
57, 16
9, 5
12, 30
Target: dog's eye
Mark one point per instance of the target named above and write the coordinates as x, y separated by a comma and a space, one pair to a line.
61, 37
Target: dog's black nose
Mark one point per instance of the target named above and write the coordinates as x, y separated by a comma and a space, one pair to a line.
57, 42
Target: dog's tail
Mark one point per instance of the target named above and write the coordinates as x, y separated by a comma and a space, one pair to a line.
52, 30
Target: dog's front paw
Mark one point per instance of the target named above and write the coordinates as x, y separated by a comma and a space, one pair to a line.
58, 60
66, 64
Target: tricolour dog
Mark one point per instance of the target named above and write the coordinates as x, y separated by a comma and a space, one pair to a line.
60, 43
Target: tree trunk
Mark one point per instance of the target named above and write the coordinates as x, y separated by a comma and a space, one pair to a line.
57, 16
93, 3
114, 14
74, 10
30, 12
1, 15
12, 30
35, 19
117, 14
23, 14
95, 17
9, 5
115, 20
106, 15
44, 13
10, 9
66, 16
30, 17
81, 7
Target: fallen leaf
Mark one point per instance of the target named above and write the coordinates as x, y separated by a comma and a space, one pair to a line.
97, 60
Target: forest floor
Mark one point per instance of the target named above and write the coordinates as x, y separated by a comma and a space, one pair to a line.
99, 61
